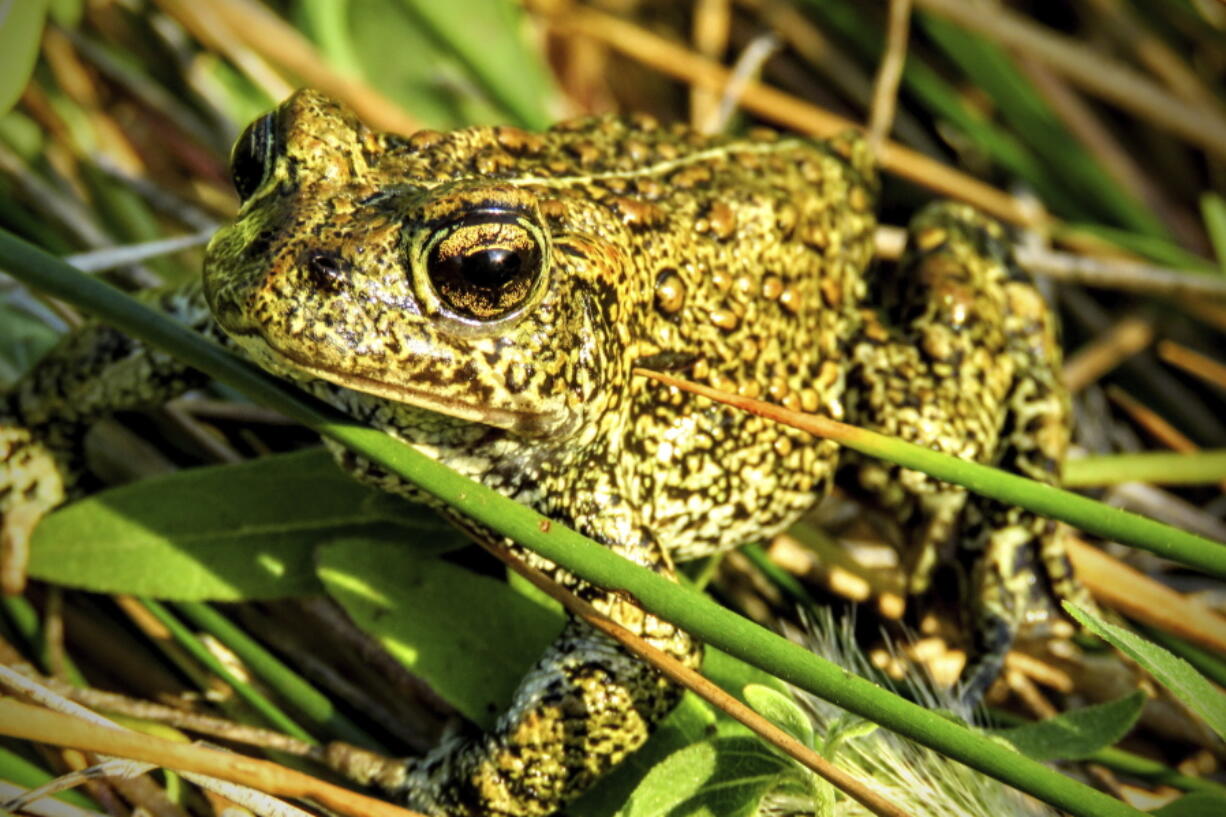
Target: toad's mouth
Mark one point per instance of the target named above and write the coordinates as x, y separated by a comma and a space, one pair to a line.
287, 363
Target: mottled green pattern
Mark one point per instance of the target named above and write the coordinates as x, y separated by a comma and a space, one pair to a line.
485, 295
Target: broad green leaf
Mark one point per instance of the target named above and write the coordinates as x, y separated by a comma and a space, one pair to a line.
223, 533
1077, 734
1173, 672
725, 777
471, 637
1195, 804
21, 26
533, 593
781, 710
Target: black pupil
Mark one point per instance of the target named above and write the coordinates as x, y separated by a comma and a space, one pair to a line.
252, 156
490, 269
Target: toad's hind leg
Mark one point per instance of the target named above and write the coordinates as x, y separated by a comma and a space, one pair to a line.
963, 358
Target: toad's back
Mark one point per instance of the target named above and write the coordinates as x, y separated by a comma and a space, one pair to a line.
734, 263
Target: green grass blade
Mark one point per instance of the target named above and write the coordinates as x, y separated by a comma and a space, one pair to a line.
1027, 111
933, 91
24, 619
1011, 489
1213, 210
1161, 467
486, 37
16, 769
248, 693
310, 702
1154, 248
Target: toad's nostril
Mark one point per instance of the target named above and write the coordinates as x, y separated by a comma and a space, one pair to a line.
327, 271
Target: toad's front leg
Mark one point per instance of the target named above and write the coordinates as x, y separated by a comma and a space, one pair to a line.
93, 372
579, 711
576, 715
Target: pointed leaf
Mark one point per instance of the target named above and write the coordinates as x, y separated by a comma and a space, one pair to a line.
1077, 734
1194, 804
725, 777
1173, 672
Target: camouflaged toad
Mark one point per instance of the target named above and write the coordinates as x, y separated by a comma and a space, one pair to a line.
485, 295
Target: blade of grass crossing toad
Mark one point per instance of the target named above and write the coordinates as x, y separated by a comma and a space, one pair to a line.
1159, 467
1012, 489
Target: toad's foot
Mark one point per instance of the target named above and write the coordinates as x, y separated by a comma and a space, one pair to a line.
578, 713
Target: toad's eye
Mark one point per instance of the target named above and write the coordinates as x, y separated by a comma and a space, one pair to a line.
484, 265
252, 157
